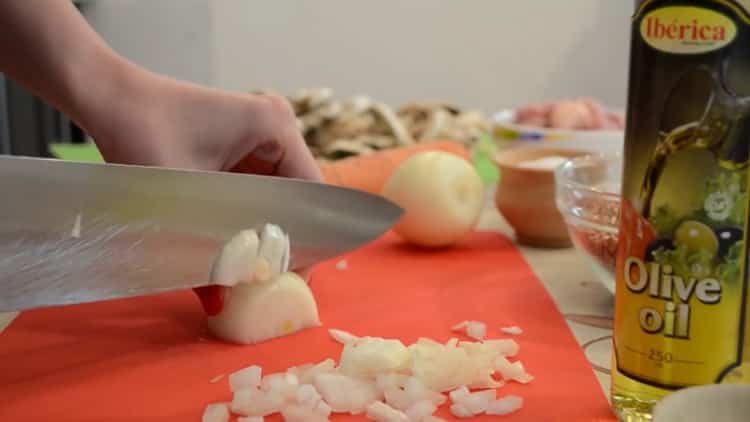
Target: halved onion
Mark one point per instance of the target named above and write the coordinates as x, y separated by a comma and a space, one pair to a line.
255, 312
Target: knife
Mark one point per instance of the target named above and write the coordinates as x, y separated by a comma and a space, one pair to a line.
75, 232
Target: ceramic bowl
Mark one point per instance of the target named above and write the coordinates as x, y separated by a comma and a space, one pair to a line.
594, 141
526, 197
713, 403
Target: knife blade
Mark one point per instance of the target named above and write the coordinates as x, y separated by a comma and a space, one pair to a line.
75, 232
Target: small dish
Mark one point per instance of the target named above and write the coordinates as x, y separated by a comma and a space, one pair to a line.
525, 196
588, 197
715, 402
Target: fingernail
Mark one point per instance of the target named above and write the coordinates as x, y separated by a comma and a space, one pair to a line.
268, 151
264, 159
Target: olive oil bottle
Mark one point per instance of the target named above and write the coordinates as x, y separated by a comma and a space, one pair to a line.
682, 307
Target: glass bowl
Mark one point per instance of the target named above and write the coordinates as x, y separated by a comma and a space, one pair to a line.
587, 194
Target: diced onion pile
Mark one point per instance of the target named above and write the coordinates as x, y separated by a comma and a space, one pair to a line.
384, 380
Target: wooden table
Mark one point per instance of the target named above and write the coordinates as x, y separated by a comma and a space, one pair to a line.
586, 303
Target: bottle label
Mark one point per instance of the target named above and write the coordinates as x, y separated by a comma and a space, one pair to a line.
681, 311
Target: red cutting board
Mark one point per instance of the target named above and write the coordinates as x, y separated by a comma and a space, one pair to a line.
150, 359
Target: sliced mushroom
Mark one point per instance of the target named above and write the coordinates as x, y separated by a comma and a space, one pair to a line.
343, 148
436, 123
358, 104
377, 141
403, 137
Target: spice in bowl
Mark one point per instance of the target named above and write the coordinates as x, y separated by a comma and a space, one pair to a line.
599, 242
587, 195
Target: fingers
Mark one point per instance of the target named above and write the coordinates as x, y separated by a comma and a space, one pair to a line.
296, 160
264, 159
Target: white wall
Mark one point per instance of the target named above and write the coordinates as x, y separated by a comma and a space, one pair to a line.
172, 37
482, 53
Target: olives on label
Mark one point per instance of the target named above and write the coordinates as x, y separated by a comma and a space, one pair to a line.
696, 236
657, 244
727, 236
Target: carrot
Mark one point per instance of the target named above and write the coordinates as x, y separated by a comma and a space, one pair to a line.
370, 172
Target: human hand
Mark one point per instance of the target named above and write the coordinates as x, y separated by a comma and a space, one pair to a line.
139, 117
173, 124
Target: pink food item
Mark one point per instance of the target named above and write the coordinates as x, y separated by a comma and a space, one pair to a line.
614, 121
584, 113
570, 115
533, 114
597, 114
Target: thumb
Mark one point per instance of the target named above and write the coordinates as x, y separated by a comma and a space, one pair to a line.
212, 298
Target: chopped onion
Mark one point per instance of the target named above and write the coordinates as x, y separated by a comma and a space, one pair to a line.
216, 412
307, 395
282, 383
216, 379
385, 379
342, 337
300, 413
505, 405
440, 368
344, 393
482, 364
461, 326
249, 377
370, 356
460, 411
250, 419
389, 380
487, 382
308, 376
381, 412
477, 402
514, 330
323, 409
476, 330
453, 342
251, 402
428, 342
457, 394
512, 371
418, 391
473, 329
299, 370
398, 398
419, 410
504, 347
